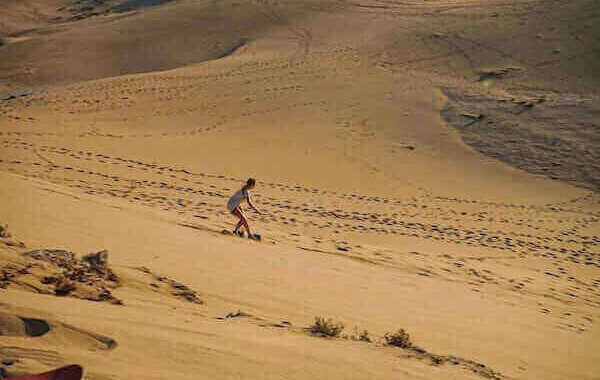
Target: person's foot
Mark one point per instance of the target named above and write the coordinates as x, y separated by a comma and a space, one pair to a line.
238, 233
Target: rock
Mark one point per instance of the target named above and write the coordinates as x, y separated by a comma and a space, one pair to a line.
239, 313
63, 287
436, 359
473, 116
58, 257
14, 243
98, 259
85, 278
47, 280
188, 295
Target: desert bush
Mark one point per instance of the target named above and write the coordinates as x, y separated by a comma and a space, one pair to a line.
4, 231
364, 336
361, 335
327, 328
399, 339
437, 359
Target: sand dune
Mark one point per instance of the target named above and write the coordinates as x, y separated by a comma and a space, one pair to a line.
426, 166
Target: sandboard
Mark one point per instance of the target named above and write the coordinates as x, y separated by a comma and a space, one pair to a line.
241, 234
70, 372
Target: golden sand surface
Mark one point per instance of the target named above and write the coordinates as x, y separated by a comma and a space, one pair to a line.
431, 166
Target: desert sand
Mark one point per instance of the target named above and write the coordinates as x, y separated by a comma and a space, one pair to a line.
431, 166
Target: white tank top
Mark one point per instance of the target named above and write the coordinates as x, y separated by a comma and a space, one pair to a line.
237, 198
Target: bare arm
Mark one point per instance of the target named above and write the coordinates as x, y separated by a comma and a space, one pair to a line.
252, 205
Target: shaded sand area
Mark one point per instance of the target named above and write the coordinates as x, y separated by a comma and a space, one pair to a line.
123, 131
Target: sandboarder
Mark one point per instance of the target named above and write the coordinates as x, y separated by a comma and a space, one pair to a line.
234, 205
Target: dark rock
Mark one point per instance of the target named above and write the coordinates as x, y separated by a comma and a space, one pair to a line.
63, 287
98, 259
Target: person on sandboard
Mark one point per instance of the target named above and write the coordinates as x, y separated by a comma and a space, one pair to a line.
234, 205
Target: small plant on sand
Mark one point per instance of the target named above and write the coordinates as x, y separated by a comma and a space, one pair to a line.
364, 336
399, 339
361, 335
326, 328
4, 231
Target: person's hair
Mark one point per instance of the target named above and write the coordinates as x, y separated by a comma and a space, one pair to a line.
250, 182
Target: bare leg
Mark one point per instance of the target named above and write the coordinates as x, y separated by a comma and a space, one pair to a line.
243, 220
238, 226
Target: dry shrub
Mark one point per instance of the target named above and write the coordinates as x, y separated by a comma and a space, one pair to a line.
326, 328
364, 336
399, 339
361, 335
4, 231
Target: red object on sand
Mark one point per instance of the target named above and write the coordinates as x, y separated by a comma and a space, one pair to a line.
70, 372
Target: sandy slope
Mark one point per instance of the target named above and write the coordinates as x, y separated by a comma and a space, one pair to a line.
446, 312
376, 212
